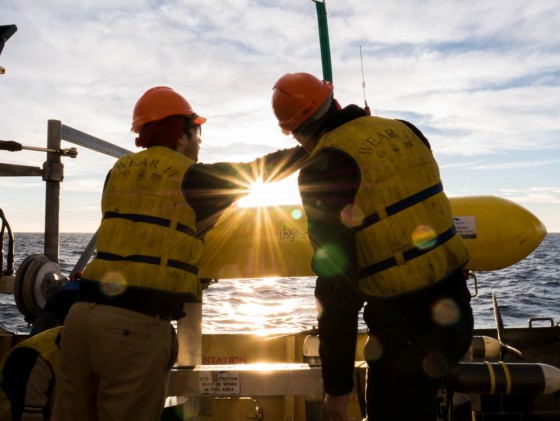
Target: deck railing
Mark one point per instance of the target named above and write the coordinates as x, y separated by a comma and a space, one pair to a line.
52, 172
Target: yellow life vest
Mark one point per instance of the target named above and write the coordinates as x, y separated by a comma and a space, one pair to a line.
405, 236
147, 227
45, 343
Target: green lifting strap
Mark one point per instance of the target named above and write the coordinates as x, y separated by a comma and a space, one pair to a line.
324, 39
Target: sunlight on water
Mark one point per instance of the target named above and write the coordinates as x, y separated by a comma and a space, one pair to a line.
259, 306
271, 306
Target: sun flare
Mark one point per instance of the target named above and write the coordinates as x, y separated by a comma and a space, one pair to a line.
284, 192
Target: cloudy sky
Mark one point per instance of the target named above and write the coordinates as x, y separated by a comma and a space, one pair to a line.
480, 78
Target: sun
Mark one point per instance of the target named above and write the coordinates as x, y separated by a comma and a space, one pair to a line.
284, 192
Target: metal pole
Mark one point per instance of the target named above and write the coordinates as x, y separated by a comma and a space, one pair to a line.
189, 335
324, 39
52, 174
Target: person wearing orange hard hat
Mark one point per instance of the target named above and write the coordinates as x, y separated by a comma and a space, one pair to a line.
157, 206
382, 232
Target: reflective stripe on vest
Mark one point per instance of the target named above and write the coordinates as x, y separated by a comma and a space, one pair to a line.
152, 260
402, 205
151, 220
409, 254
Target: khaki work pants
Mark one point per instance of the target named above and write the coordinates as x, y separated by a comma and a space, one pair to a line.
115, 365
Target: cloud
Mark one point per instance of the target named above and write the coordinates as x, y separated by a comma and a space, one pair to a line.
513, 165
481, 79
548, 195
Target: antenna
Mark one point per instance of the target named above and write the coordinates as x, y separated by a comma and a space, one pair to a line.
366, 108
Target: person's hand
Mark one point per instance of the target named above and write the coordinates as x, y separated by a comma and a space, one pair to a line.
336, 407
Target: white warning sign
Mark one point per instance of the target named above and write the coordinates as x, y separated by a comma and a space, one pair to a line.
466, 226
218, 383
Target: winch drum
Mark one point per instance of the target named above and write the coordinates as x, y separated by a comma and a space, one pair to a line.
37, 278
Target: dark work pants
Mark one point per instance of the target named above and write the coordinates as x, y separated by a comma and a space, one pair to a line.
413, 341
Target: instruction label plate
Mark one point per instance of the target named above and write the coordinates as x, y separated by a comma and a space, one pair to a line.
219, 383
466, 226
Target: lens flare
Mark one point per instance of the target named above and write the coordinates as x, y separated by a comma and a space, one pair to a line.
445, 312
113, 284
330, 260
296, 214
434, 365
352, 216
423, 237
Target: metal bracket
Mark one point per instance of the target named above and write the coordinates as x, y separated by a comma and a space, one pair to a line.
13, 146
53, 171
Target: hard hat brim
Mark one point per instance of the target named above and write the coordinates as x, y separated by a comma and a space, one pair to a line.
199, 120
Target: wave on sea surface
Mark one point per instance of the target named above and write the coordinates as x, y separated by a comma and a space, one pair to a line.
528, 289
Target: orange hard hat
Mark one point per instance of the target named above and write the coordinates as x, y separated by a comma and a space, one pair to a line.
158, 103
296, 96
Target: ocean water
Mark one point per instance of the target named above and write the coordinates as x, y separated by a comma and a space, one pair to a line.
527, 290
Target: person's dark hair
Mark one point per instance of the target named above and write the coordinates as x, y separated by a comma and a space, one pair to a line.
314, 129
167, 131
164, 132
189, 125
